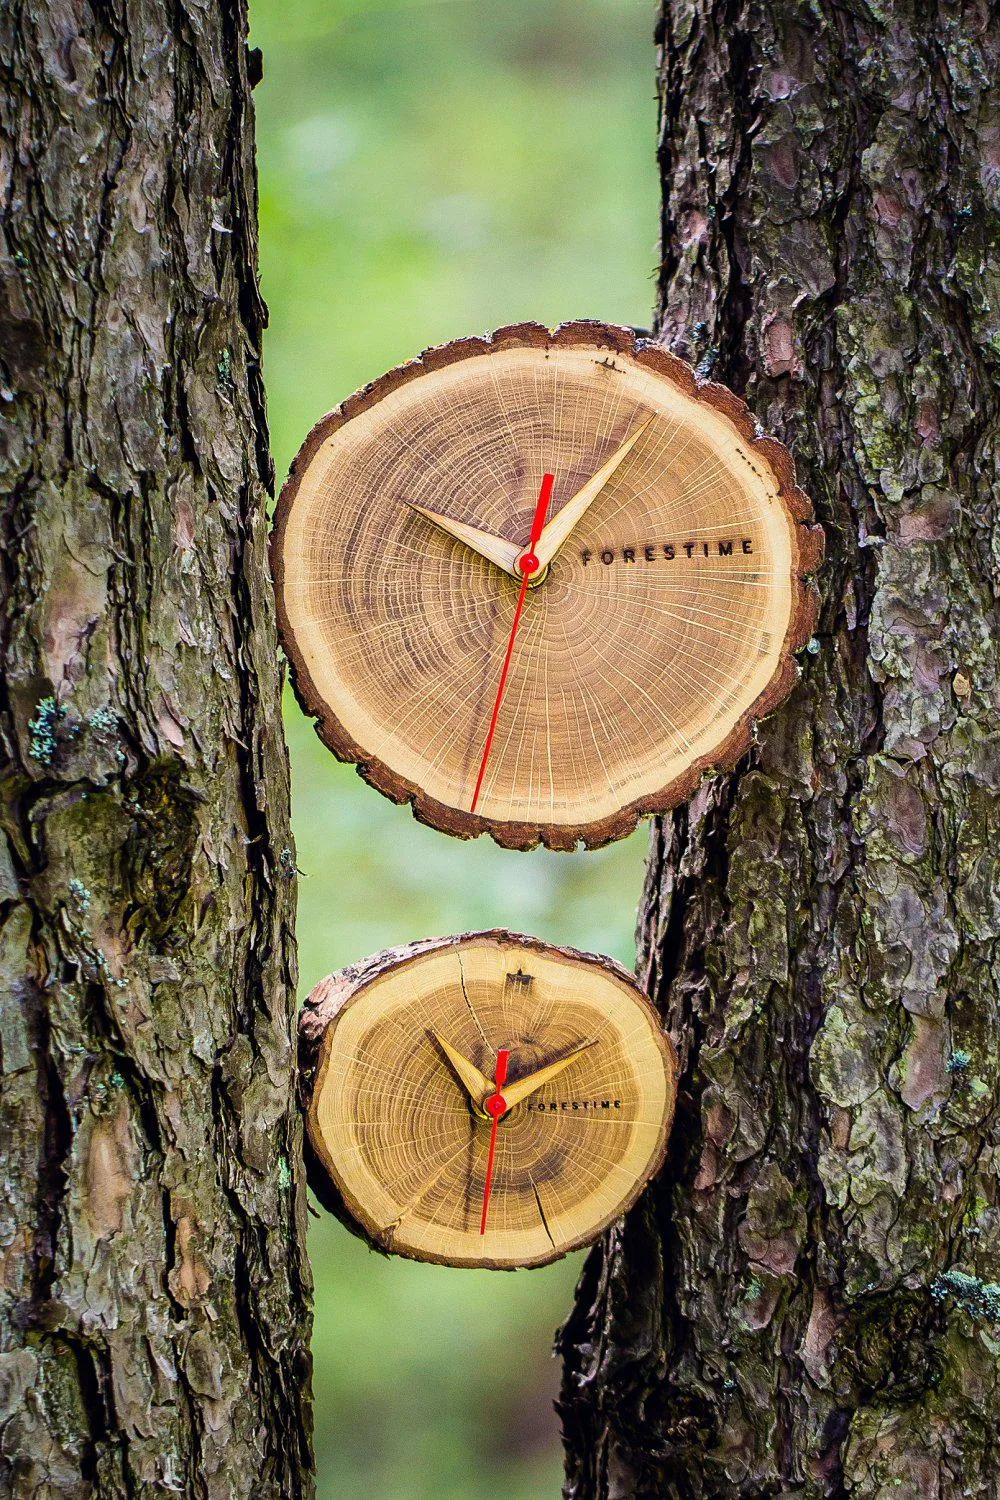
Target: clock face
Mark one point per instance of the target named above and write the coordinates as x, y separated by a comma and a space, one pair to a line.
433, 1158
659, 619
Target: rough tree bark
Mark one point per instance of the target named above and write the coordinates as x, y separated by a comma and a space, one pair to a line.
153, 1283
807, 1303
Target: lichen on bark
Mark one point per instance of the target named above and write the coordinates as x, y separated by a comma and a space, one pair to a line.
804, 1304
154, 1289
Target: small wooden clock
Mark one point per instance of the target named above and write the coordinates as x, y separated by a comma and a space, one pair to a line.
484, 1100
538, 584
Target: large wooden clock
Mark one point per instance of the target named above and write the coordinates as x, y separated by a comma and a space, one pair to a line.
485, 1100
540, 583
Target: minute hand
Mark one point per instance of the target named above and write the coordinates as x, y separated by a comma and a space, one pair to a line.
559, 528
496, 549
515, 1092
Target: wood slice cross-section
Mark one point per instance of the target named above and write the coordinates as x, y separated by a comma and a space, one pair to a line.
397, 1058
661, 627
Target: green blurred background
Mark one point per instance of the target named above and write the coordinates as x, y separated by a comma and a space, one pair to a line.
431, 168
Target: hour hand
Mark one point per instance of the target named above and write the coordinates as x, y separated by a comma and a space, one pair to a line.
515, 1092
495, 549
476, 1085
562, 523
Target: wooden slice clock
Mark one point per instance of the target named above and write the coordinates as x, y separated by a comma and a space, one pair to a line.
483, 1100
538, 584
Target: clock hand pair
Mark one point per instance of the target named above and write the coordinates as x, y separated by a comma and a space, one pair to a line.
478, 1086
497, 1103
508, 555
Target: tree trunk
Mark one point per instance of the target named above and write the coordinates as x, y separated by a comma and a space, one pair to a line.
154, 1288
806, 1303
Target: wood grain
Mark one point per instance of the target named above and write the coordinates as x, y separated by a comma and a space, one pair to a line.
664, 627
398, 1149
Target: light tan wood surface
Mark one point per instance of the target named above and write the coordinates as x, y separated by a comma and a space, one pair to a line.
663, 624
398, 1057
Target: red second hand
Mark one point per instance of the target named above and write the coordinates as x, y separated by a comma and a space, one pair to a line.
495, 1105
528, 564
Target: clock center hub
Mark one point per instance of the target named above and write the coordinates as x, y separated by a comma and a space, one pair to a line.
530, 568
